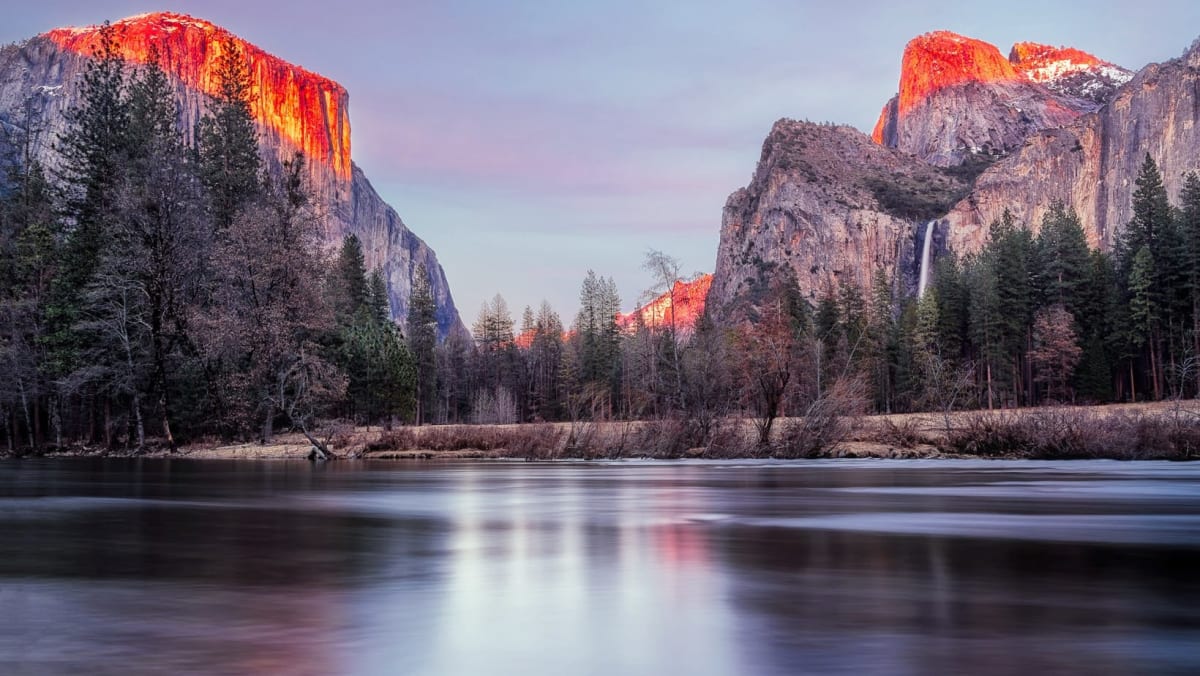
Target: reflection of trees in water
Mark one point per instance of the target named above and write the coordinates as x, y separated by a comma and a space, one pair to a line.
206, 567
251, 525
945, 605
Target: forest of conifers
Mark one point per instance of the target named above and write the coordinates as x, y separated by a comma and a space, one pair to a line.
159, 287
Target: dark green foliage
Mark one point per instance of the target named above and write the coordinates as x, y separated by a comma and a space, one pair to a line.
421, 333
1063, 256
380, 368
1100, 315
953, 308
227, 140
349, 290
915, 198
377, 297
1151, 213
971, 167
596, 325
94, 151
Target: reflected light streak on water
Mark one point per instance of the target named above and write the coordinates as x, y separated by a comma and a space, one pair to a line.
619, 568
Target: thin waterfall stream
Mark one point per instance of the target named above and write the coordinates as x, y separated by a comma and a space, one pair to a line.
923, 280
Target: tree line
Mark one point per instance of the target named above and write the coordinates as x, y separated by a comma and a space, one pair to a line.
1033, 318
166, 284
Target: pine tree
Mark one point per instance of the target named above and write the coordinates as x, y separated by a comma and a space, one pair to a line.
1189, 227
227, 140
1143, 315
600, 353
1151, 214
1063, 256
1100, 305
986, 326
380, 368
545, 364
421, 332
878, 348
953, 311
350, 292
1153, 227
28, 257
380, 303
1014, 263
94, 152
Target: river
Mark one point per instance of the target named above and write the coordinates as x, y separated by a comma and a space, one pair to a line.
854, 566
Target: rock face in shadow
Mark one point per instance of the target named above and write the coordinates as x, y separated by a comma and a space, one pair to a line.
1091, 164
829, 206
295, 110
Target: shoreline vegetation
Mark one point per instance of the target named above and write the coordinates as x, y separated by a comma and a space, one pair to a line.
1153, 431
171, 291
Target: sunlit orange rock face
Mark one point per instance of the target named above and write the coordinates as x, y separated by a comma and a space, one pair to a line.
1042, 63
306, 109
937, 60
940, 59
961, 98
688, 299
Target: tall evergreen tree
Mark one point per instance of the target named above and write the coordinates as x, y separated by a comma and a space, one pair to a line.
163, 241
1063, 257
1014, 264
28, 263
94, 152
227, 140
1151, 214
1189, 226
380, 302
350, 291
421, 332
596, 324
1143, 314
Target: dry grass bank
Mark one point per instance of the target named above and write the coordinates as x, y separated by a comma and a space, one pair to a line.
1164, 430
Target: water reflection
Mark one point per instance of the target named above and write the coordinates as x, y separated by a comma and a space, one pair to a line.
756, 568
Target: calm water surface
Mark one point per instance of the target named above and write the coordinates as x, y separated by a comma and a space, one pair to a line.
901, 567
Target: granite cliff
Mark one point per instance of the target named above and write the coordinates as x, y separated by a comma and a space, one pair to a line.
1091, 163
960, 98
970, 134
830, 206
295, 110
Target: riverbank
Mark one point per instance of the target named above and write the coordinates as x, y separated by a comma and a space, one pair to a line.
1164, 430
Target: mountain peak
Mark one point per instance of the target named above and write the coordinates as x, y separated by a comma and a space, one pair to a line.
1067, 70
161, 19
688, 299
960, 96
1030, 56
940, 59
305, 109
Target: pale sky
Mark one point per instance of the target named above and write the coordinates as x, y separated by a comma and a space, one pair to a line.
527, 142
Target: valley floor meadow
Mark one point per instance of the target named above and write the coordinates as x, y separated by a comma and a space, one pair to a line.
1146, 431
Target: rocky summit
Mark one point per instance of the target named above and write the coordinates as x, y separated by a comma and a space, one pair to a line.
826, 205
960, 98
295, 111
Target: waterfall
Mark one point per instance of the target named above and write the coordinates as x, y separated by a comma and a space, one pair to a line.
923, 280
